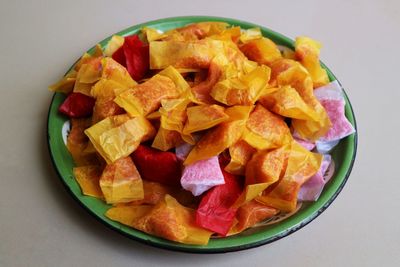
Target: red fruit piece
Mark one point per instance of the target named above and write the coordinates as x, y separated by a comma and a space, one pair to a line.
137, 57
157, 166
134, 55
77, 105
119, 56
215, 211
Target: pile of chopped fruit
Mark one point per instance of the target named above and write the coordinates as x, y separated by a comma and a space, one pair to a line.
202, 130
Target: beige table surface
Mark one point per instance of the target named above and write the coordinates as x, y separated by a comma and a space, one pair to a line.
41, 225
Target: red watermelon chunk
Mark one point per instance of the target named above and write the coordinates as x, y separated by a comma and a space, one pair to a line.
157, 166
215, 211
134, 55
77, 105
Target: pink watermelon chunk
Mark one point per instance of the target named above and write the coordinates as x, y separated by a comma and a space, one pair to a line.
312, 189
202, 175
332, 99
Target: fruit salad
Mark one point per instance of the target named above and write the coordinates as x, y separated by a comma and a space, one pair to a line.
201, 131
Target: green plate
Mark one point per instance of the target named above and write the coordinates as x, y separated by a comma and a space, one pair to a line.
343, 155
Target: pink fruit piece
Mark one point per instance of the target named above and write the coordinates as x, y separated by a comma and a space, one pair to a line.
202, 175
332, 99
312, 189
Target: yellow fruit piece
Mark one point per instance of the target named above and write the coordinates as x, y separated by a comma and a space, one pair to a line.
202, 29
170, 105
118, 136
180, 82
98, 51
241, 152
243, 90
240, 113
264, 169
88, 73
104, 91
78, 143
307, 50
105, 107
203, 117
156, 115
113, 45
120, 182
221, 137
266, 166
230, 34
112, 70
215, 141
191, 32
152, 34
88, 179
287, 53
153, 193
127, 214
181, 54
251, 213
313, 130
287, 102
250, 35
167, 219
173, 113
107, 88
249, 193
262, 50
173, 116
200, 93
146, 97
166, 139
265, 130
289, 72
302, 164
295, 75
213, 27
66, 84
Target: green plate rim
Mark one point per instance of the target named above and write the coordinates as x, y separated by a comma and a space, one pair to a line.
229, 244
